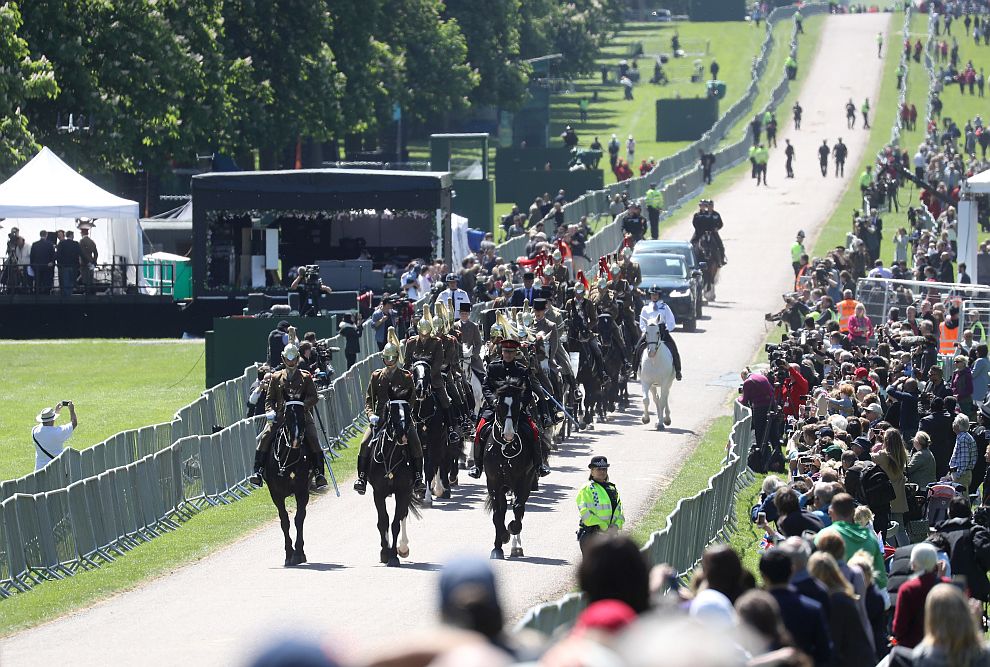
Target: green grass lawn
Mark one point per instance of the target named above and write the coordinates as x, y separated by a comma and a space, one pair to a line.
732, 44
704, 461
115, 384
833, 233
207, 531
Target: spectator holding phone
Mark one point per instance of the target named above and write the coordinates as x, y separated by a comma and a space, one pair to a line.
49, 440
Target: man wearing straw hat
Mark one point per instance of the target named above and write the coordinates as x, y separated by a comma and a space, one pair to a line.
49, 440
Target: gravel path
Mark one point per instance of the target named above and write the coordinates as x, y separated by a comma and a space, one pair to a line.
217, 610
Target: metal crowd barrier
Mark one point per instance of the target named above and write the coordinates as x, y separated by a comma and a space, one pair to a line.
594, 203
55, 534
696, 522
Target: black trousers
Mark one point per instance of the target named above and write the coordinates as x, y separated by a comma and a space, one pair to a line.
654, 215
760, 413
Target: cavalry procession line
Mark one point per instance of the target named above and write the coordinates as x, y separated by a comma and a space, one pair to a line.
226, 606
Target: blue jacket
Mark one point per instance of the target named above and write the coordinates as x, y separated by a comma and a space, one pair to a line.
907, 411
805, 620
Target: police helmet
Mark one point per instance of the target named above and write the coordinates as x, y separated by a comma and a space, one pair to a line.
451, 277
656, 290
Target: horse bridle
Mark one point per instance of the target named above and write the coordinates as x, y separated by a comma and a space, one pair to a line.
378, 451
429, 388
284, 465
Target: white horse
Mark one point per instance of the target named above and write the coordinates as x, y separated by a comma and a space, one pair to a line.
656, 371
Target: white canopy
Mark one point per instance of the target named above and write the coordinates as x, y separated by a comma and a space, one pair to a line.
979, 183
46, 187
47, 194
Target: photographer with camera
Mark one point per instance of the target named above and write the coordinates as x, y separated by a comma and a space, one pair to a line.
310, 286
49, 440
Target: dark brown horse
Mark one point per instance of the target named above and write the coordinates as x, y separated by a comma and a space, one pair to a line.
286, 473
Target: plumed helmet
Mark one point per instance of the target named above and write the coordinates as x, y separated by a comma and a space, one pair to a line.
615, 270
290, 352
602, 282
390, 354
425, 326
537, 282
393, 339
497, 332
579, 288
443, 312
439, 325
527, 318
556, 256
627, 252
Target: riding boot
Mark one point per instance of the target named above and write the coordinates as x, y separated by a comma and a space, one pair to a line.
478, 454
638, 352
452, 433
361, 483
418, 485
259, 468
320, 484
536, 451
675, 355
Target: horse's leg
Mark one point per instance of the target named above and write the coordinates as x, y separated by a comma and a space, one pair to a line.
302, 499
665, 400
283, 519
430, 464
401, 509
655, 392
515, 526
498, 518
646, 387
403, 549
382, 524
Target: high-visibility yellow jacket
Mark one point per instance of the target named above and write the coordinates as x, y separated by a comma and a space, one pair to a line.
796, 251
654, 198
595, 506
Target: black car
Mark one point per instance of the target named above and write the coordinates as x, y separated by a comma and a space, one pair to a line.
669, 272
684, 249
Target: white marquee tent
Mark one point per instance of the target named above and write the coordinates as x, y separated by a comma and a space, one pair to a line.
47, 194
968, 226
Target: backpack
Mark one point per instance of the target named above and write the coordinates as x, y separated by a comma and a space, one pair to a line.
937, 507
877, 485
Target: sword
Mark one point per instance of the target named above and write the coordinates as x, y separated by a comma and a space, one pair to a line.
557, 403
328, 454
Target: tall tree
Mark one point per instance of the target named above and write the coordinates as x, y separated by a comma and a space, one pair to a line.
492, 38
22, 78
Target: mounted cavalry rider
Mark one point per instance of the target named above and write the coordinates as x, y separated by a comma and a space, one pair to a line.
550, 330
426, 346
503, 373
631, 272
560, 273
470, 336
707, 219
657, 310
389, 384
287, 385
579, 307
452, 297
451, 369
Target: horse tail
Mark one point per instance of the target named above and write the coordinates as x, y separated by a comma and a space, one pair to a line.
415, 503
489, 503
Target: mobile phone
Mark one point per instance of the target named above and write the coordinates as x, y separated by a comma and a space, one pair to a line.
65, 403
761, 517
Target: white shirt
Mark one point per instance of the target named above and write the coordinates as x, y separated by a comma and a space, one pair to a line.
658, 311
880, 272
459, 296
424, 284
52, 438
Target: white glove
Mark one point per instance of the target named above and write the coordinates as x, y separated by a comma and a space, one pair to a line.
374, 420
270, 416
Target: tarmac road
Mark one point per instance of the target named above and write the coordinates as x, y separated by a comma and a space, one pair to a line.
226, 606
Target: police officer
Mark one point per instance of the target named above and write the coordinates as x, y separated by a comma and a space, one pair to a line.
501, 373
657, 310
277, 340
453, 296
654, 204
290, 384
389, 384
598, 503
708, 220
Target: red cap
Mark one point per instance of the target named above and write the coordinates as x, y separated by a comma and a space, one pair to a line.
610, 616
862, 373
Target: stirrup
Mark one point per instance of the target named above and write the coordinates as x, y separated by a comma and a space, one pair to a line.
474, 472
360, 486
255, 479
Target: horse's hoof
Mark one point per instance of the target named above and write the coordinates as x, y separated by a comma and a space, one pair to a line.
666, 421
591, 427
497, 554
446, 494
392, 562
645, 419
659, 426
288, 561
384, 556
403, 553
516, 552
300, 557
427, 501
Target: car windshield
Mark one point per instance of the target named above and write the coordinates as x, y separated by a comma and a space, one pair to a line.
662, 265
682, 250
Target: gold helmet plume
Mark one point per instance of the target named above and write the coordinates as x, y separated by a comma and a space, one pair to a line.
425, 325
393, 348
508, 329
441, 321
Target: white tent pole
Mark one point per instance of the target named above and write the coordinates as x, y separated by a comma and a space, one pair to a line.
967, 232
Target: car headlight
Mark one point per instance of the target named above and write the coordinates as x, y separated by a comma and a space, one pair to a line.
680, 292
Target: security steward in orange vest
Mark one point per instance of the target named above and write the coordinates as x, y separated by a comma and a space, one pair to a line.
846, 309
948, 332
